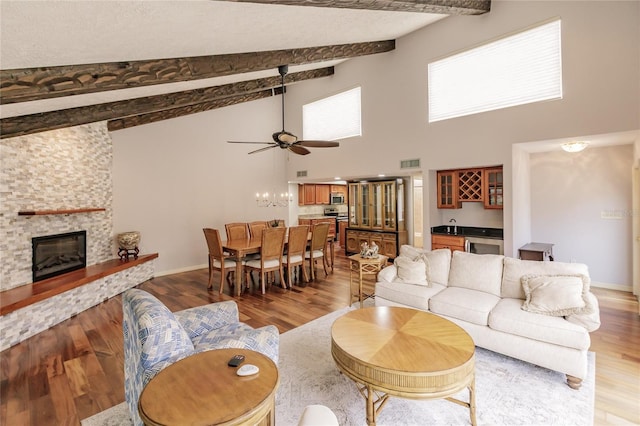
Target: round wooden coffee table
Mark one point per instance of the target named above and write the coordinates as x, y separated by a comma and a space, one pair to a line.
393, 351
202, 390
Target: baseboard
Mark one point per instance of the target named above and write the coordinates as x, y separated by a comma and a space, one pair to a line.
609, 286
180, 270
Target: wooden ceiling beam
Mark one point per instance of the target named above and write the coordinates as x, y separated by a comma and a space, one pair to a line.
30, 84
168, 105
449, 7
152, 117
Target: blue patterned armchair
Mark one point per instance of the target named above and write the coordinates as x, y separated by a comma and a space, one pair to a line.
155, 338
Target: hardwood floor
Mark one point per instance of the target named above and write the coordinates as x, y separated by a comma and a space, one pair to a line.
75, 369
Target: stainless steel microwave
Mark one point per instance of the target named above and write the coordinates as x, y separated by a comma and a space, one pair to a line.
337, 198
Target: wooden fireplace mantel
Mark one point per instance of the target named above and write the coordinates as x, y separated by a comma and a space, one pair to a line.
19, 297
59, 211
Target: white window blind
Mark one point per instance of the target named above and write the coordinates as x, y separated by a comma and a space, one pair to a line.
519, 69
335, 117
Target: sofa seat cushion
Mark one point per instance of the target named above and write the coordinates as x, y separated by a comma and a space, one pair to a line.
412, 295
264, 339
480, 272
508, 317
468, 305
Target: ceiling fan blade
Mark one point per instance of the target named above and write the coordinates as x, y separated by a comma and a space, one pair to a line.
299, 150
263, 143
263, 149
319, 144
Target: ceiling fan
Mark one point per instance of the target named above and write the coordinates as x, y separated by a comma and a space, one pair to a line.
286, 140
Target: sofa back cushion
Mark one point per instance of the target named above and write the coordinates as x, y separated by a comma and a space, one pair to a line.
160, 334
482, 272
515, 269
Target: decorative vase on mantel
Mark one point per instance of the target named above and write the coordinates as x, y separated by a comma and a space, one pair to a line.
128, 245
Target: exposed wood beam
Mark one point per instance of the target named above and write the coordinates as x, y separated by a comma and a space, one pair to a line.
449, 7
29, 84
138, 120
168, 105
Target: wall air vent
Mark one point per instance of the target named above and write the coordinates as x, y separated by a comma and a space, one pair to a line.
301, 173
410, 164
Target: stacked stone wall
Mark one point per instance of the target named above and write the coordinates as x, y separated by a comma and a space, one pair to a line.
61, 169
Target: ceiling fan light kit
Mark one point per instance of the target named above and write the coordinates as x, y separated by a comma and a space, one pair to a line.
287, 140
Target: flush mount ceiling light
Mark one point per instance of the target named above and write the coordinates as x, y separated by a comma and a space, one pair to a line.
575, 146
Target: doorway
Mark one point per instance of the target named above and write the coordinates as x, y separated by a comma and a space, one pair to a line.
418, 205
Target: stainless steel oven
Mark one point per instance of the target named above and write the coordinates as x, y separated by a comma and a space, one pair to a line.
480, 245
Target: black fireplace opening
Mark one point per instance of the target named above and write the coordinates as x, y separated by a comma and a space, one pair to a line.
58, 254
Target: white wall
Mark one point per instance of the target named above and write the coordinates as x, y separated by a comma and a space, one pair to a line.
173, 177
601, 82
579, 203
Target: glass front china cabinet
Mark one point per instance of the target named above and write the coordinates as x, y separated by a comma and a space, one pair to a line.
376, 215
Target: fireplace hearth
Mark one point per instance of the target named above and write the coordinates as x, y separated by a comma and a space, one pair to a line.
58, 254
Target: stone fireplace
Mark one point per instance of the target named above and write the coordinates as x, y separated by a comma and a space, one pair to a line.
61, 169
58, 254
67, 174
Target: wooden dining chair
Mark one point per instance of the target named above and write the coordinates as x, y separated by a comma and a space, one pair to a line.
237, 231
296, 246
317, 249
270, 255
255, 228
217, 260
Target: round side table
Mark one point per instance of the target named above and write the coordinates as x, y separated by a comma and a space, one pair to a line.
203, 390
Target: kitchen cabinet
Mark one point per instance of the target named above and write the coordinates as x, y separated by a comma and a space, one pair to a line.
493, 188
312, 194
448, 189
376, 215
470, 185
339, 189
452, 242
483, 185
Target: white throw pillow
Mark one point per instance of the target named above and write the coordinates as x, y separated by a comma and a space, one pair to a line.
411, 252
556, 295
410, 271
438, 263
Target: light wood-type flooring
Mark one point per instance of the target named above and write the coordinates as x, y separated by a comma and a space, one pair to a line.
75, 369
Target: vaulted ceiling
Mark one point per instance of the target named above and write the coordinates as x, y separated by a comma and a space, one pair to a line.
135, 62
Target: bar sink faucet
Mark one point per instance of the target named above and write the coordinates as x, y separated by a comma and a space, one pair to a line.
455, 226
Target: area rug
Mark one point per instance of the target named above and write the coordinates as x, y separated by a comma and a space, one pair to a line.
508, 391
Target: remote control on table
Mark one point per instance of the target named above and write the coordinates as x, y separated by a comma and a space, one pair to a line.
236, 361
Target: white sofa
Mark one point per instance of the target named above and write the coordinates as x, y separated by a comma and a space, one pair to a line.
487, 295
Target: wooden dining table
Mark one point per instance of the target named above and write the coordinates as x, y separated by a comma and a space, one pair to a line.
242, 247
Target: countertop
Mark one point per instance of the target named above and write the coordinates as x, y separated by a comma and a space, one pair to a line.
315, 216
469, 231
